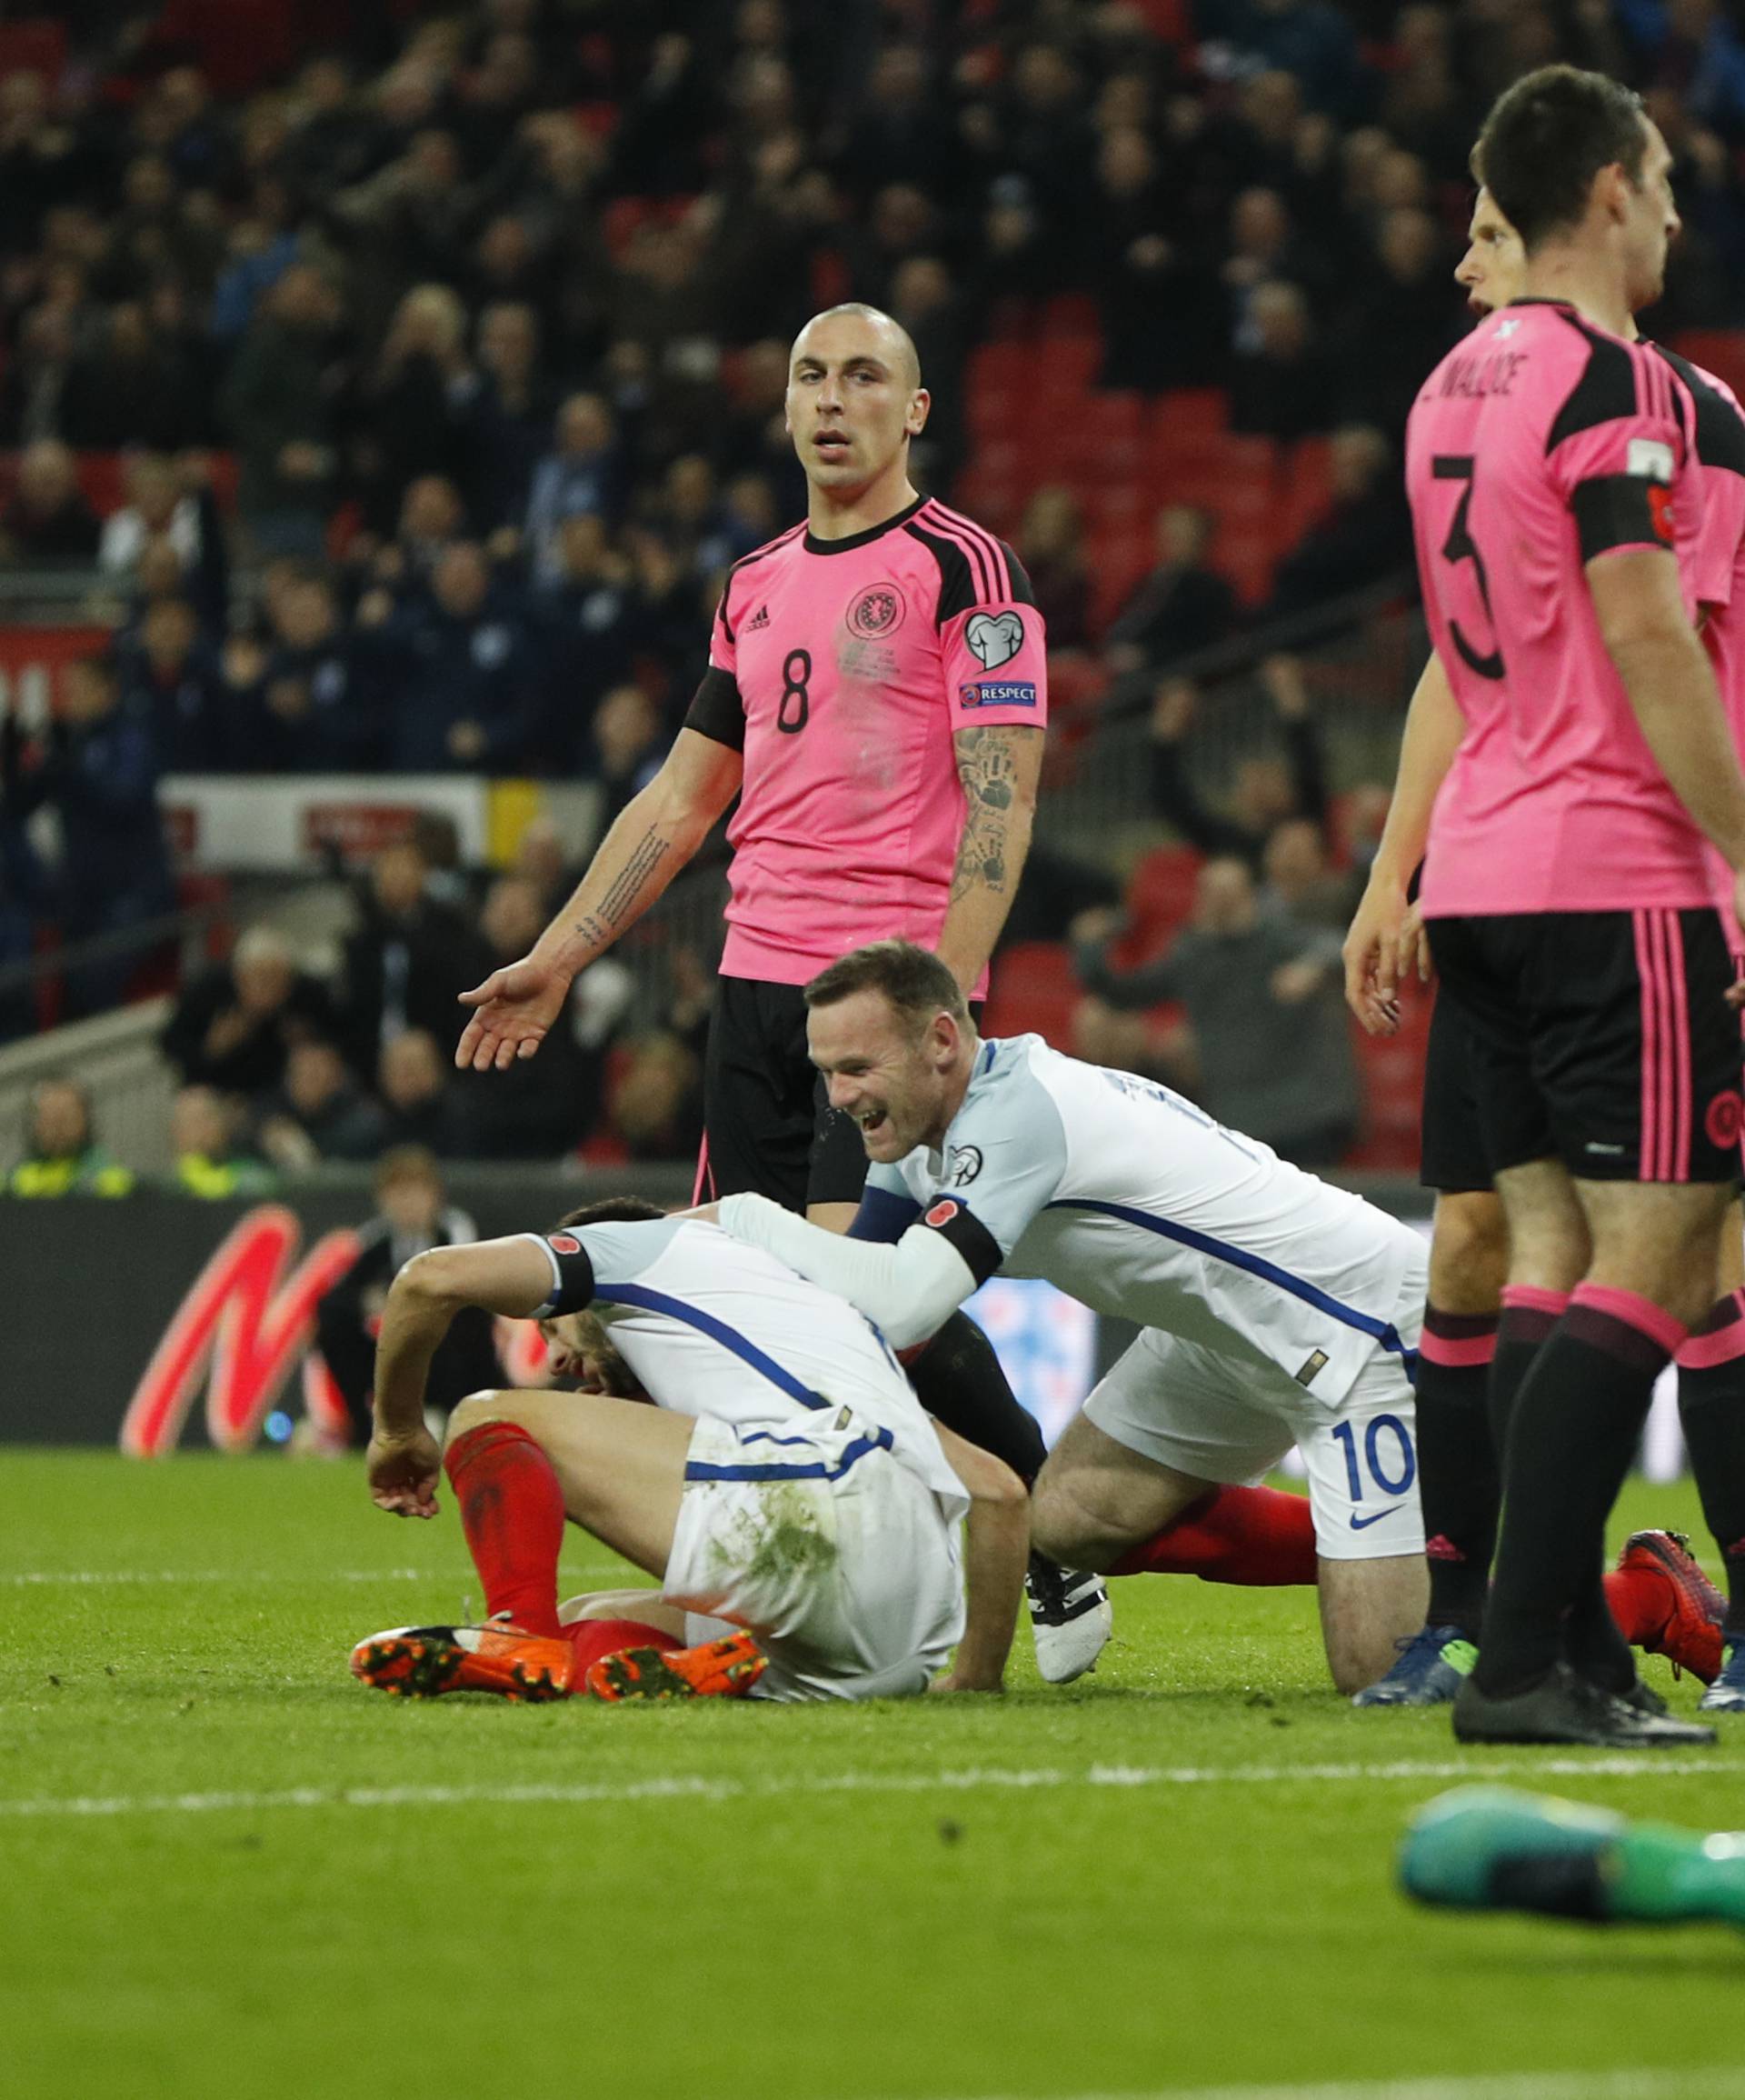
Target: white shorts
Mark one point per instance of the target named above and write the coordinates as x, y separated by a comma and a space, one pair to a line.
824, 1546
1219, 1419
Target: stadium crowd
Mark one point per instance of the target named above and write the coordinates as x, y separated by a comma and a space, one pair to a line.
445, 351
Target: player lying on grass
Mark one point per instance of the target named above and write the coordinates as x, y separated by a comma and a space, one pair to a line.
1276, 1310
1659, 1595
799, 1509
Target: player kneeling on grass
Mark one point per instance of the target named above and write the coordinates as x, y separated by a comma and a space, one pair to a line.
799, 1508
1274, 1309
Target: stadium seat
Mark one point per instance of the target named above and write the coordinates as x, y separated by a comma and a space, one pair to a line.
1032, 992
1307, 484
1180, 408
1718, 350
1392, 1071
1005, 366
36, 45
1160, 896
1066, 364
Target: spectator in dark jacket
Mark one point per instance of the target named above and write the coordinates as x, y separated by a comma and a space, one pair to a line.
1282, 383
326, 687
234, 1025
1273, 1045
582, 475
98, 770
527, 1112
47, 522
279, 404
411, 1217
320, 1113
414, 1081
468, 695
511, 417
591, 621
174, 675
1364, 538
407, 962
1181, 606
1263, 792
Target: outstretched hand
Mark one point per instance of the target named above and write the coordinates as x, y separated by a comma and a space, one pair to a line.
515, 1008
402, 1473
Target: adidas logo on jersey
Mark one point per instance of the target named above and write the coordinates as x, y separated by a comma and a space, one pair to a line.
761, 618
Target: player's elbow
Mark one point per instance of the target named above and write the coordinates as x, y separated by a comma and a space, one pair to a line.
437, 1277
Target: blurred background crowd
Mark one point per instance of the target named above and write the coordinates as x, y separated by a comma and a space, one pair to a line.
397, 381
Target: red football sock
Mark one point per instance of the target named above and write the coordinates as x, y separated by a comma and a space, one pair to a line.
1252, 1535
1638, 1599
592, 1638
512, 1509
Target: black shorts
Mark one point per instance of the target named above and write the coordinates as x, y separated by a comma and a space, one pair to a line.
1603, 1039
1451, 1155
767, 1124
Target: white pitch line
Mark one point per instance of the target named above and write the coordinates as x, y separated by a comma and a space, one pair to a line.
968, 1780
1719, 2084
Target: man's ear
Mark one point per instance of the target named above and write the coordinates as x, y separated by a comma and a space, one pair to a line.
920, 403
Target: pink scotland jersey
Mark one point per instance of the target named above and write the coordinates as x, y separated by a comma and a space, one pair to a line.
843, 669
1538, 445
1711, 561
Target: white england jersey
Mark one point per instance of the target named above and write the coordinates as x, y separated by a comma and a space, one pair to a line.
713, 1327
1128, 1197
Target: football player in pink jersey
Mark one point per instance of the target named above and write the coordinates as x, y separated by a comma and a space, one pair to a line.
876, 696
1658, 1594
1566, 886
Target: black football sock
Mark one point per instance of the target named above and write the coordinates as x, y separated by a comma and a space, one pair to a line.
1528, 1314
1576, 1421
1711, 1408
1459, 1482
958, 1378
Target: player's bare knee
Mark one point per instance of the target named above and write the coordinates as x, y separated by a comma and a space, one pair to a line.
475, 1411
1468, 1254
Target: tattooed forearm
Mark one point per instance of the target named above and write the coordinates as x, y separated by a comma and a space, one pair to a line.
987, 767
623, 897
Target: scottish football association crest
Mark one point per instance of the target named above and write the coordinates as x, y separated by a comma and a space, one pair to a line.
876, 613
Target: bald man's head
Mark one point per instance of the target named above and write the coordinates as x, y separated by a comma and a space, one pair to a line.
854, 401
898, 345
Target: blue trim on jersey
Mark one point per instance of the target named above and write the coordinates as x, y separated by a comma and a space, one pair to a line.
884, 1216
988, 1057
1256, 1266
719, 1331
769, 1436
817, 1470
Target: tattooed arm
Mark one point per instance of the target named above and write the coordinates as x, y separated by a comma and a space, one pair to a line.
653, 839
999, 769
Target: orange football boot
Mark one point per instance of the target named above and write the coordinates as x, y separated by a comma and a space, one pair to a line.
421, 1662
722, 1669
1690, 1638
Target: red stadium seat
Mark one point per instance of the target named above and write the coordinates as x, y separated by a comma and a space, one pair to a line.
1392, 1071
1160, 897
1183, 409
37, 46
1034, 992
1008, 366
1073, 313
1718, 350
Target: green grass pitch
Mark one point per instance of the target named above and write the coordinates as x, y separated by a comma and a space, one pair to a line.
228, 1870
